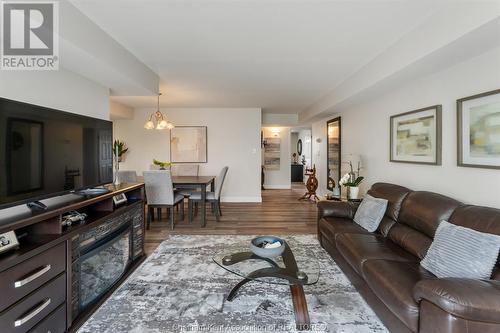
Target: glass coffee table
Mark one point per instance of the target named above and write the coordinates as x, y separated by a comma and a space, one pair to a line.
296, 267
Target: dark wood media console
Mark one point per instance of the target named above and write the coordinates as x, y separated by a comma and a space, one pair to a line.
44, 284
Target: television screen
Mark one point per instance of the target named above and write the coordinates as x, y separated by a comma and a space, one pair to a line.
44, 152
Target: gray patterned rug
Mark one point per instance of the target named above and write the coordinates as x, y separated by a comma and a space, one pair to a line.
179, 288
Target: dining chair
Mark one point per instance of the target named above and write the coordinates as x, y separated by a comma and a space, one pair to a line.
185, 170
160, 194
212, 197
127, 176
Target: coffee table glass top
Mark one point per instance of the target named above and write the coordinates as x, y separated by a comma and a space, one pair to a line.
296, 266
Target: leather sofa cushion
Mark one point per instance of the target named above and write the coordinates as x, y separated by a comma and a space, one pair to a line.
466, 298
423, 211
433, 319
337, 209
332, 226
394, 194
385, 226
483, 219
357, 248
410, 239
393, 283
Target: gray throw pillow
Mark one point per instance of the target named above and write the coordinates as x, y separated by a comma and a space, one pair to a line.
370, 212
461, 252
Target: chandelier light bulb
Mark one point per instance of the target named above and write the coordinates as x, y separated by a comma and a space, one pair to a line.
149, 125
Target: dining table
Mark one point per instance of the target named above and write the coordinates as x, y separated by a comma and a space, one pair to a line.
196, 182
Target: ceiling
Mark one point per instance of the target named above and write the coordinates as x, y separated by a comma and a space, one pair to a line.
279, 55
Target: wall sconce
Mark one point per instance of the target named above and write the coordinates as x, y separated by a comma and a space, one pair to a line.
275, 131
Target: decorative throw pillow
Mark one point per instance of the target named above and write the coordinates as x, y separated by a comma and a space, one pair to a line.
370, 212
461, 252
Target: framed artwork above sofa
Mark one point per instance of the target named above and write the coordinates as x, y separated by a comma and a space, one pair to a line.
416, 136
478, 119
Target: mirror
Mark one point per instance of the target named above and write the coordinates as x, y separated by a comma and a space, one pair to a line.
299, 147
333, 153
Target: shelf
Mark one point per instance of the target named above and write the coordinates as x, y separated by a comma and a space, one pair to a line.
42, 233
134, 190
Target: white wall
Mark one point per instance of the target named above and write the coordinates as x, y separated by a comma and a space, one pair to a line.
120, 111
294, 138
319, 152
280, 119
233, 140
62, 90
280, 179
365, 131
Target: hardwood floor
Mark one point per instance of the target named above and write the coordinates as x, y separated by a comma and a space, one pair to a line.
279, 213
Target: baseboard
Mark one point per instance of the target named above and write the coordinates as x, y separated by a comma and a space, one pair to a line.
277, 187
241, 199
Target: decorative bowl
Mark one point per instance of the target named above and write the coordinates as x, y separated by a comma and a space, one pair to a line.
257, 246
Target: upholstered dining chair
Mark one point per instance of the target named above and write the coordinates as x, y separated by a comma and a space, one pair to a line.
185, 170
127, 176
212, 197
160, 194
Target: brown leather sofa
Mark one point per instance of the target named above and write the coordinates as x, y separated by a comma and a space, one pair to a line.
385, 266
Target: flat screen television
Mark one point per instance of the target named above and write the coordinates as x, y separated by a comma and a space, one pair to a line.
46, 152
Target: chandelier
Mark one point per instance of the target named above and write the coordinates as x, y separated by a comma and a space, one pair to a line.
157, 120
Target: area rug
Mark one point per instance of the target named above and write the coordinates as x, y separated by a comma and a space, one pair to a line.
179, 289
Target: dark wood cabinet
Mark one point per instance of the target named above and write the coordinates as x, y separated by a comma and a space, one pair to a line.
27, 276
37, 280
297, 173
35, 307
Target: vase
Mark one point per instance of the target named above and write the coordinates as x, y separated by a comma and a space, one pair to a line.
352, 192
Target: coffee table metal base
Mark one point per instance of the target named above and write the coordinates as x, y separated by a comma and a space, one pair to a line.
290, 273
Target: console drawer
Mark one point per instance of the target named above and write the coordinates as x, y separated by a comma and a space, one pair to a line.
20, 280
54, 323
27, 313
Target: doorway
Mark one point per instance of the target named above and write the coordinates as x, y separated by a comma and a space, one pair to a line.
301, 154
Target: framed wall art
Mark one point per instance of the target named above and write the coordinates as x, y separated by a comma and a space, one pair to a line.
272, 153
416, 136
478, 119
188, 144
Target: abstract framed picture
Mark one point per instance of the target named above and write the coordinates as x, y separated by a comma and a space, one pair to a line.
188, 144
416, 136
272, 153
478, 120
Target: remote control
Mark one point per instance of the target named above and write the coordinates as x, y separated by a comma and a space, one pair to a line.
36, 205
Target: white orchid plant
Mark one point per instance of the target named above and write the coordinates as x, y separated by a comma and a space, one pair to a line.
347, 179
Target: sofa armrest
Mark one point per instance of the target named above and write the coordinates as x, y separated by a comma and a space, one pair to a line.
344, 209
470, 299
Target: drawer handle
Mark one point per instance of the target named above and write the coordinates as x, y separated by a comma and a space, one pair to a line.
32, 277
33, 313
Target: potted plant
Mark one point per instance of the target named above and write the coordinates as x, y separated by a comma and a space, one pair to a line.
352, 186
119, 149
162, 165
